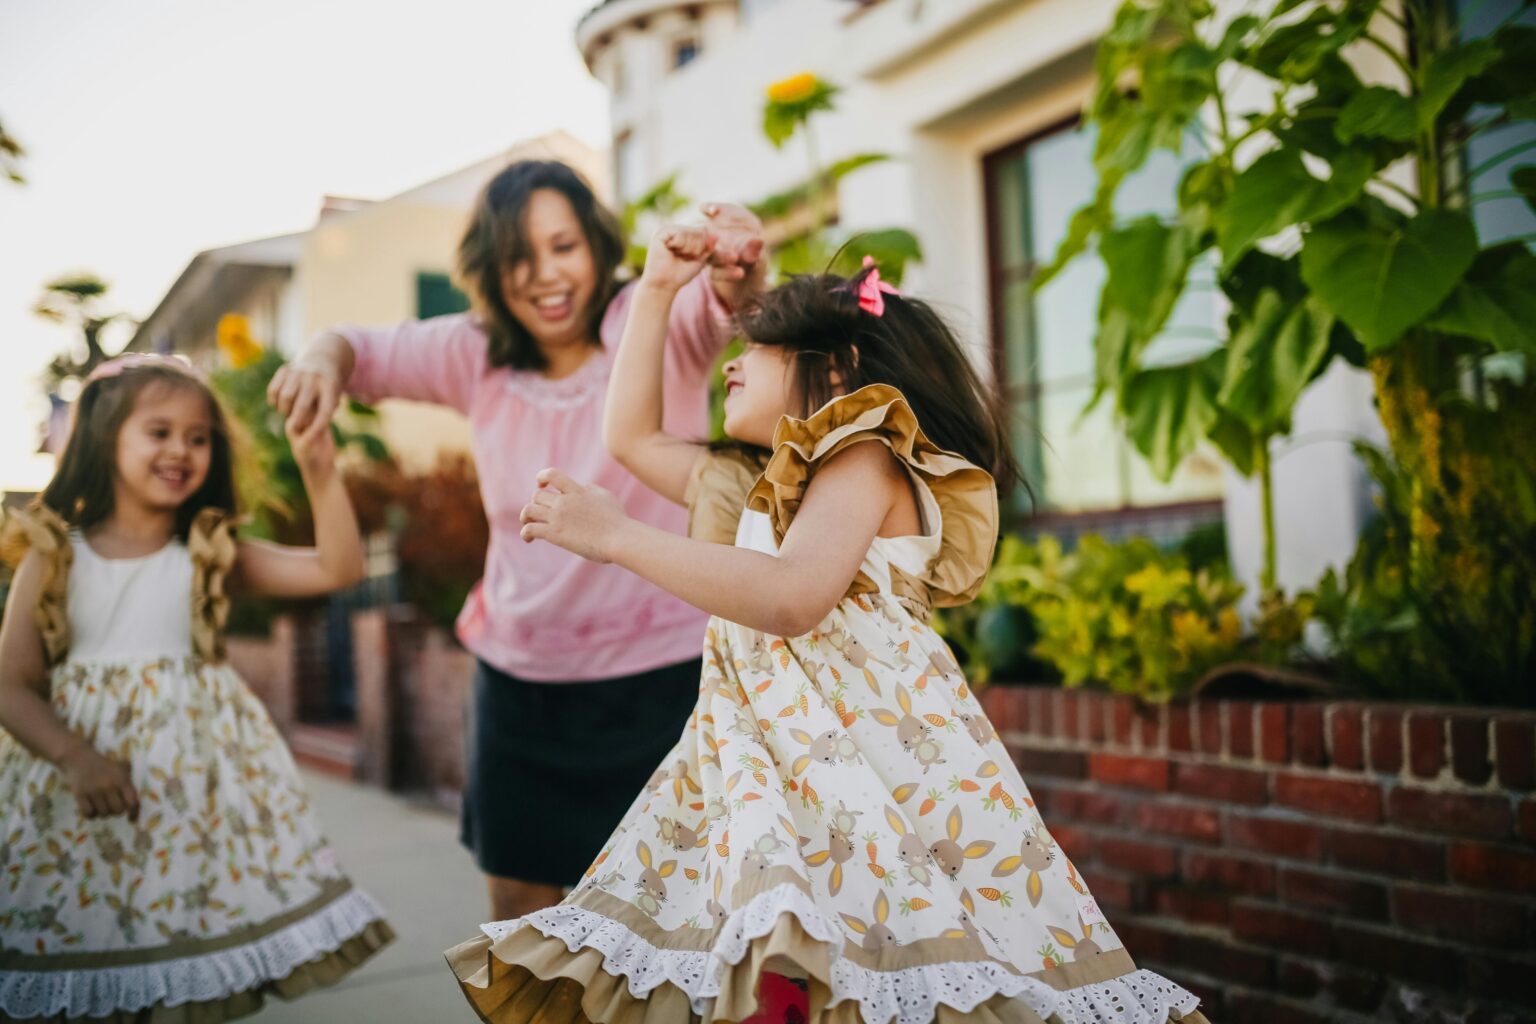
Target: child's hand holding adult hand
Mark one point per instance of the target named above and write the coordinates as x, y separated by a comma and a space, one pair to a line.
584, 520
676, 256
314, 449
304, 393
102, 787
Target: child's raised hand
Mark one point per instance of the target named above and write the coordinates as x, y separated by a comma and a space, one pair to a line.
584, 520
314, 449
676, 255
102, 787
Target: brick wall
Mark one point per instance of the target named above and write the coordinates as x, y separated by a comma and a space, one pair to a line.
1301, 862
267, 665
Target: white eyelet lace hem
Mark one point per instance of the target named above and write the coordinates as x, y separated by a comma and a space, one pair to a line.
909, 996
193, 979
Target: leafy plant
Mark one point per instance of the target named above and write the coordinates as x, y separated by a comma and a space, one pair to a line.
659, 202
1323, 254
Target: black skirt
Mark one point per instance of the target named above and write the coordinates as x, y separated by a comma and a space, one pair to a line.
553, 767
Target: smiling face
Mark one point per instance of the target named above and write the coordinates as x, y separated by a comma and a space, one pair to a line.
549, 288
759, 390
164, 448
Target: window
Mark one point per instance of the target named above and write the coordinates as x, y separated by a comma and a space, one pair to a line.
436, 296
1508, 216
1078, 462
684, 50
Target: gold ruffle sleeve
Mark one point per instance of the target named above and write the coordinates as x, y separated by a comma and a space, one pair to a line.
41, 529
211, 544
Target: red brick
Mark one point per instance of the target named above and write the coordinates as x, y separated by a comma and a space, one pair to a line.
1352, 897
1494, 867
1075, 842
1208, 719
1117, 891
1150, 729
1193, 905
1470, 753
1528, 820
1397, 956
1219, 958
1356, 990
1094, 707
1335, 798
1000, 703
1234, 874
1180, 732
1298, 978
1456, 915
1514, 742
1495, 977
1381, 853
1275, 733
1385, 729
1042, 716
1154, 860
1307, 742
1122, 721
1463, 814
1139, 772
1426, 744
1294, 839
1085, 804
1062, 764
1197, 823
1346, 738
1264, 1008
1071, 715
1229, 785
1240, 729
1271, 926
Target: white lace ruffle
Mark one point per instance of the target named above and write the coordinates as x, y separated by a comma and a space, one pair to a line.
193, 979
907, 996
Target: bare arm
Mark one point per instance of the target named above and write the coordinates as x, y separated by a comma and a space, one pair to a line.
845, 505
336, 560
101, 787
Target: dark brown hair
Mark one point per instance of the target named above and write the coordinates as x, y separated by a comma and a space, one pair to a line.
81, 491
495, 239
818, 318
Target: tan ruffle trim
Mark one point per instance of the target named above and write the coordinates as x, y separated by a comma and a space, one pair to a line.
717, 492
529, 978
966, 493
210, 543
327, 970
41, 529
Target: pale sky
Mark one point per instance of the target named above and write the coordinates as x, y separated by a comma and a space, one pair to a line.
159, 128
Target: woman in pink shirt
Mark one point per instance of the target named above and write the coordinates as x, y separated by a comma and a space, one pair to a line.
585, 672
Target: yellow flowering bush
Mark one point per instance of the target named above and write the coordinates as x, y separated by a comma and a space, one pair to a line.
234, 339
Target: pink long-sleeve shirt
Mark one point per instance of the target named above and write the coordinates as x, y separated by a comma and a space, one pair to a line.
540, 612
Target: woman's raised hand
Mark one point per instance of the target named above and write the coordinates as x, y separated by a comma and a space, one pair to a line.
738, 249
303, 391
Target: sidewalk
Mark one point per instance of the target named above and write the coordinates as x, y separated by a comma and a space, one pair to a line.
409, 858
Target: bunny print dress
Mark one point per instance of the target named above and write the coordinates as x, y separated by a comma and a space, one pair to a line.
223, 890
838, 809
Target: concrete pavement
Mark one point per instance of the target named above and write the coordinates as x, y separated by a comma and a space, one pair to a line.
409, 858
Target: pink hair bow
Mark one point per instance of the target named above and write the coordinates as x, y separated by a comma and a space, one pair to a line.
872, 290
115, 366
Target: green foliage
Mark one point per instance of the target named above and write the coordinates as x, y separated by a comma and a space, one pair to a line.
1130, 616
11, 153
791, 104
660, 202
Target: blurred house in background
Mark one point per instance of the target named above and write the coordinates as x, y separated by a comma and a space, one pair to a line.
979, 101
363, 262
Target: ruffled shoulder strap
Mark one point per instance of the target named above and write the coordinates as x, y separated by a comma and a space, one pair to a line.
966, 493
717, 492
211, 545
43, 530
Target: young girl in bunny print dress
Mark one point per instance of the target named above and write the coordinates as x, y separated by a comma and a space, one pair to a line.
838, 811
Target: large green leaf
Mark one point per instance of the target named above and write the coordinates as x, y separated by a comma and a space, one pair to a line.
1508, 79
1294, 52
1524, 180
1381, 276
1377, 113
1276, 192
1447, 71
1169, 409
1271, 359
1256, 273
1496, 302
891, 248
1086, 222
